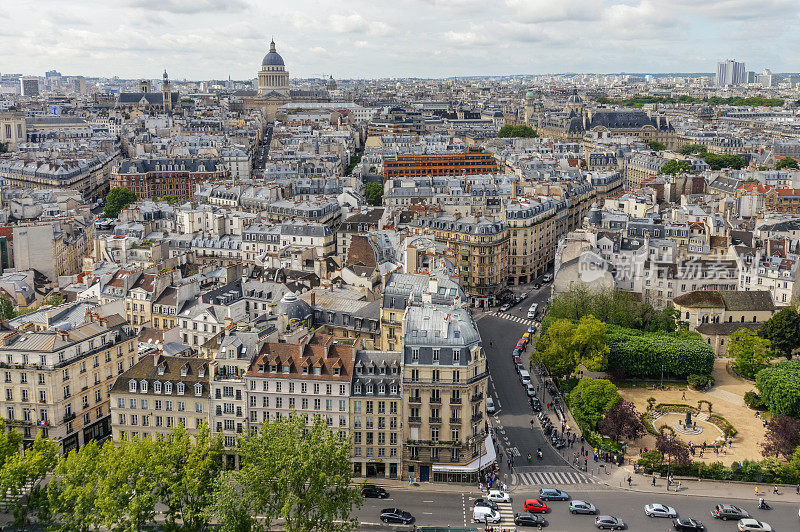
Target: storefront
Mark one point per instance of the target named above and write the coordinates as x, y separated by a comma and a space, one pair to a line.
467, 473
376, 469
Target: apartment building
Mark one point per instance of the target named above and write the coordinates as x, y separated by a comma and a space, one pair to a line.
533, 229
376, 414
54, 248
308, 374
58, 376
470, 162
166, 177
444, 377
479, 246
158, 394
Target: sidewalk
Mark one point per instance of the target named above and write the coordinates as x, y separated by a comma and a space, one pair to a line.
694, 487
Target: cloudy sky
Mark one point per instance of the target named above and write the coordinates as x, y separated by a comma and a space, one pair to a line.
202, 39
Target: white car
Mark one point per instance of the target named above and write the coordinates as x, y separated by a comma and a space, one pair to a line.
547, 278
753, 525
659, 510
498, 496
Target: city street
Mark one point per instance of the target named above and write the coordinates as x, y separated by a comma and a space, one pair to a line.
454, 509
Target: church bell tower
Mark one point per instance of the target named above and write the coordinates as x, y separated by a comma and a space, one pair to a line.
166, 93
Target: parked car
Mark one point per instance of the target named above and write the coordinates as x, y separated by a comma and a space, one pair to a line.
753, 525
553, 494
482, 514
531, 391
521, 344
688, 524
485, 502
535, 506
532, 310
728, 511
536, 404
517, 360
659, 510
582, 507
547, 278
490, 408
498, 496
609, 522
396, 515
536, 286
373, 491
532, 329
529, 519
505, 307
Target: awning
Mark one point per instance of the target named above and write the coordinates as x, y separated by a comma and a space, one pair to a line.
488, 458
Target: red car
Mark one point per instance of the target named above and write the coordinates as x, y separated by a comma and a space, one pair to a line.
521, 345
535, 506
517, 359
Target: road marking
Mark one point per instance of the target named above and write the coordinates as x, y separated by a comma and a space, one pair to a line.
428, 501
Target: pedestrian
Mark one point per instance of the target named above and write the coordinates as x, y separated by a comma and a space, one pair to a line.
683, 396
797, 489
630, 480
654, 479
480, 487
410, 480
756, 491
775, 490
679, 486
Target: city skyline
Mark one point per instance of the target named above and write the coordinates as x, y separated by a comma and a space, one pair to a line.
410, 38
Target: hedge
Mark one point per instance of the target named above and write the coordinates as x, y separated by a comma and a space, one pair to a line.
769, 471
724, 425
779, 386
675, 407
642, 354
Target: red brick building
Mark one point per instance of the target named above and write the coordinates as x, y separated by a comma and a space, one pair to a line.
473, 161
166, 177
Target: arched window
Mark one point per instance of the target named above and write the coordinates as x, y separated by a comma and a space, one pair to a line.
131, 385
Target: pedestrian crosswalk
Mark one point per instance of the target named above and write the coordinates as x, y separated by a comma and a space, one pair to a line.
506, 513
517, 319
550, 478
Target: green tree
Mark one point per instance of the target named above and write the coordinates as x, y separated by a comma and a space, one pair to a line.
374, 193
188, 467
127, 482
675, 166
689, 149
591, 399
298, 473
750, 353
28, 468
657, 146
565, 346
117, 199
520, 131
783, 331
7, 311
779, 386
786, 162
72, 493
718, 161
232, 506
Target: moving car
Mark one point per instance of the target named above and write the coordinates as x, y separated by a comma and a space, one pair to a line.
482, 514
373, 491
536, 404
485, 502
659, 510
536, 286
505, 306
535, 506
609, 522
523, 295
532, 310
553, 494
547, 278
396, 515
728, 511
490, 408
498, 496
688, 524
529, 519
532, 329
582, 507
753, 525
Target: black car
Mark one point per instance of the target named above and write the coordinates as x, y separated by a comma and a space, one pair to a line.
373, 491
529, 519
687, 524
536, 405
396, 515
485, 502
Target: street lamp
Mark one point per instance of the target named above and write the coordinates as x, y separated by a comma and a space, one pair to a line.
662, 375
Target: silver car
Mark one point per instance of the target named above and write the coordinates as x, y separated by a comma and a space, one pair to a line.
609, 522
582, 507
659, 510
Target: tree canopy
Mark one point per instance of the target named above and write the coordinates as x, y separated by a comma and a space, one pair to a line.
675, 166
783, 331
591, 398
718, 161
117, 199
750, 353
509, 131
566, 345
689, 149
786, 162
640, 101
657, 146
779, 386
622, 420
374, 193
782, 437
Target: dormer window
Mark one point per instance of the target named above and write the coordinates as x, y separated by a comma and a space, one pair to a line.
336, 372
357, 388
318, 371
260, 368
201, 372
359, 370
131, 385
369, 388
198, 389
168, 387
304, 370
273, 368
181, 388
286, 368
381, 388
393, 389
161, 369
143, 386
157, 387
184, 371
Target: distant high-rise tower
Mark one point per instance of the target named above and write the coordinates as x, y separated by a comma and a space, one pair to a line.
29, 86
730, 72
166, 93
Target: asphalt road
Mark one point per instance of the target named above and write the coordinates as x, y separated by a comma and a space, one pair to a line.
514, 433
454, 509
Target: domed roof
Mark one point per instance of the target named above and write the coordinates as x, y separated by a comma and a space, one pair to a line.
574, 99
293, 307
530, 94
273, 58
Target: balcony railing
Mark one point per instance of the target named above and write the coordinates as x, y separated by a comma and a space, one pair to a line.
436, 400
434, 419
476, 397
477, 417
455, 400
414, 419
69, 417
455, 420
415, 399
